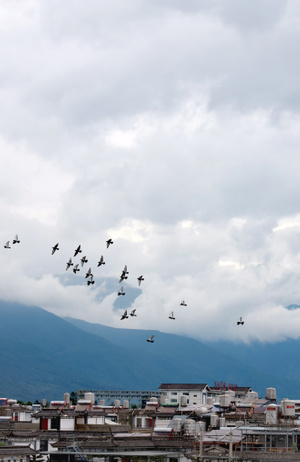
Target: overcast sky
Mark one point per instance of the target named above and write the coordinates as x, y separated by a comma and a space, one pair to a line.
172, 127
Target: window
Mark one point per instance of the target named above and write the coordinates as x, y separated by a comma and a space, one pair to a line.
44, 445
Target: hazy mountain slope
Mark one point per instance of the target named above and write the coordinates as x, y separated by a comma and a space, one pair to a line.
43, 356
179, 352
277, 358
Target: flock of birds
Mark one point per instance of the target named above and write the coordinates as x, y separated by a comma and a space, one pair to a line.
90, 277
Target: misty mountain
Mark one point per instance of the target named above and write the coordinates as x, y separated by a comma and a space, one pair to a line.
205, 358
43, 356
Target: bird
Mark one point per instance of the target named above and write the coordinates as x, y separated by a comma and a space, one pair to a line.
83, 260
75, 269
89, 273
101, 261
172, 315
240, 321
121, 291
7, 246
55, 248
132, 313
16, 240
124, 316
183, 303
150, 339
69, 263
123, 274
109, 242
140, 279
91, 280
77, 251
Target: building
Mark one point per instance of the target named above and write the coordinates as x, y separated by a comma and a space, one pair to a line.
185, 393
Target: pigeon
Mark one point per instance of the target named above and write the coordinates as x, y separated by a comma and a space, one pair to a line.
240, 321
108, 243
123, 274
183, 303
132, 313
77, 251
101, 261
150, 339
140, 279
121, 291
16, 240
69, 263
75, 269
124, 316
89, 273
7, 246
55, 248
91, 280
83, 260
172, 315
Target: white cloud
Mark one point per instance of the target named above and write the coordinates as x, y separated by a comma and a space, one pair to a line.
172, 128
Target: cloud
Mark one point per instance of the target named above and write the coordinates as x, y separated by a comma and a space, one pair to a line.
170, 127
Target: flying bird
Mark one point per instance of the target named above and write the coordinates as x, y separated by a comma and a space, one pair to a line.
77, 251
150, 339
83, 260
140, 279
89, 273
91, 280
55, 248
240, 321
123, 274
7, 246
183, 303
16, 240
172, 315
101, 261
75, 269
69, 263
124, 316
121, 291
132, 313
109, 242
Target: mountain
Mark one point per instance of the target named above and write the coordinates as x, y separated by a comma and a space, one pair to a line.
43, 356
248, 371
272, 358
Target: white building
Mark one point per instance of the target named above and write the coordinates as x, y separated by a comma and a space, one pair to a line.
184, 393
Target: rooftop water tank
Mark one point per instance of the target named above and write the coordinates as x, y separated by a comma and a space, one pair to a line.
214, 420
222, 422
117, 403
177, 424
125, 404
102, 402
153, 400
287, 408
67, 398
189, 427
252, 395
209, 400
271, 393
200, 411
183, 400
272, 414
89, 397
225, 400
200, 425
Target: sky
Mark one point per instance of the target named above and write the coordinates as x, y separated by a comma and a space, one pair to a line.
171, 127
